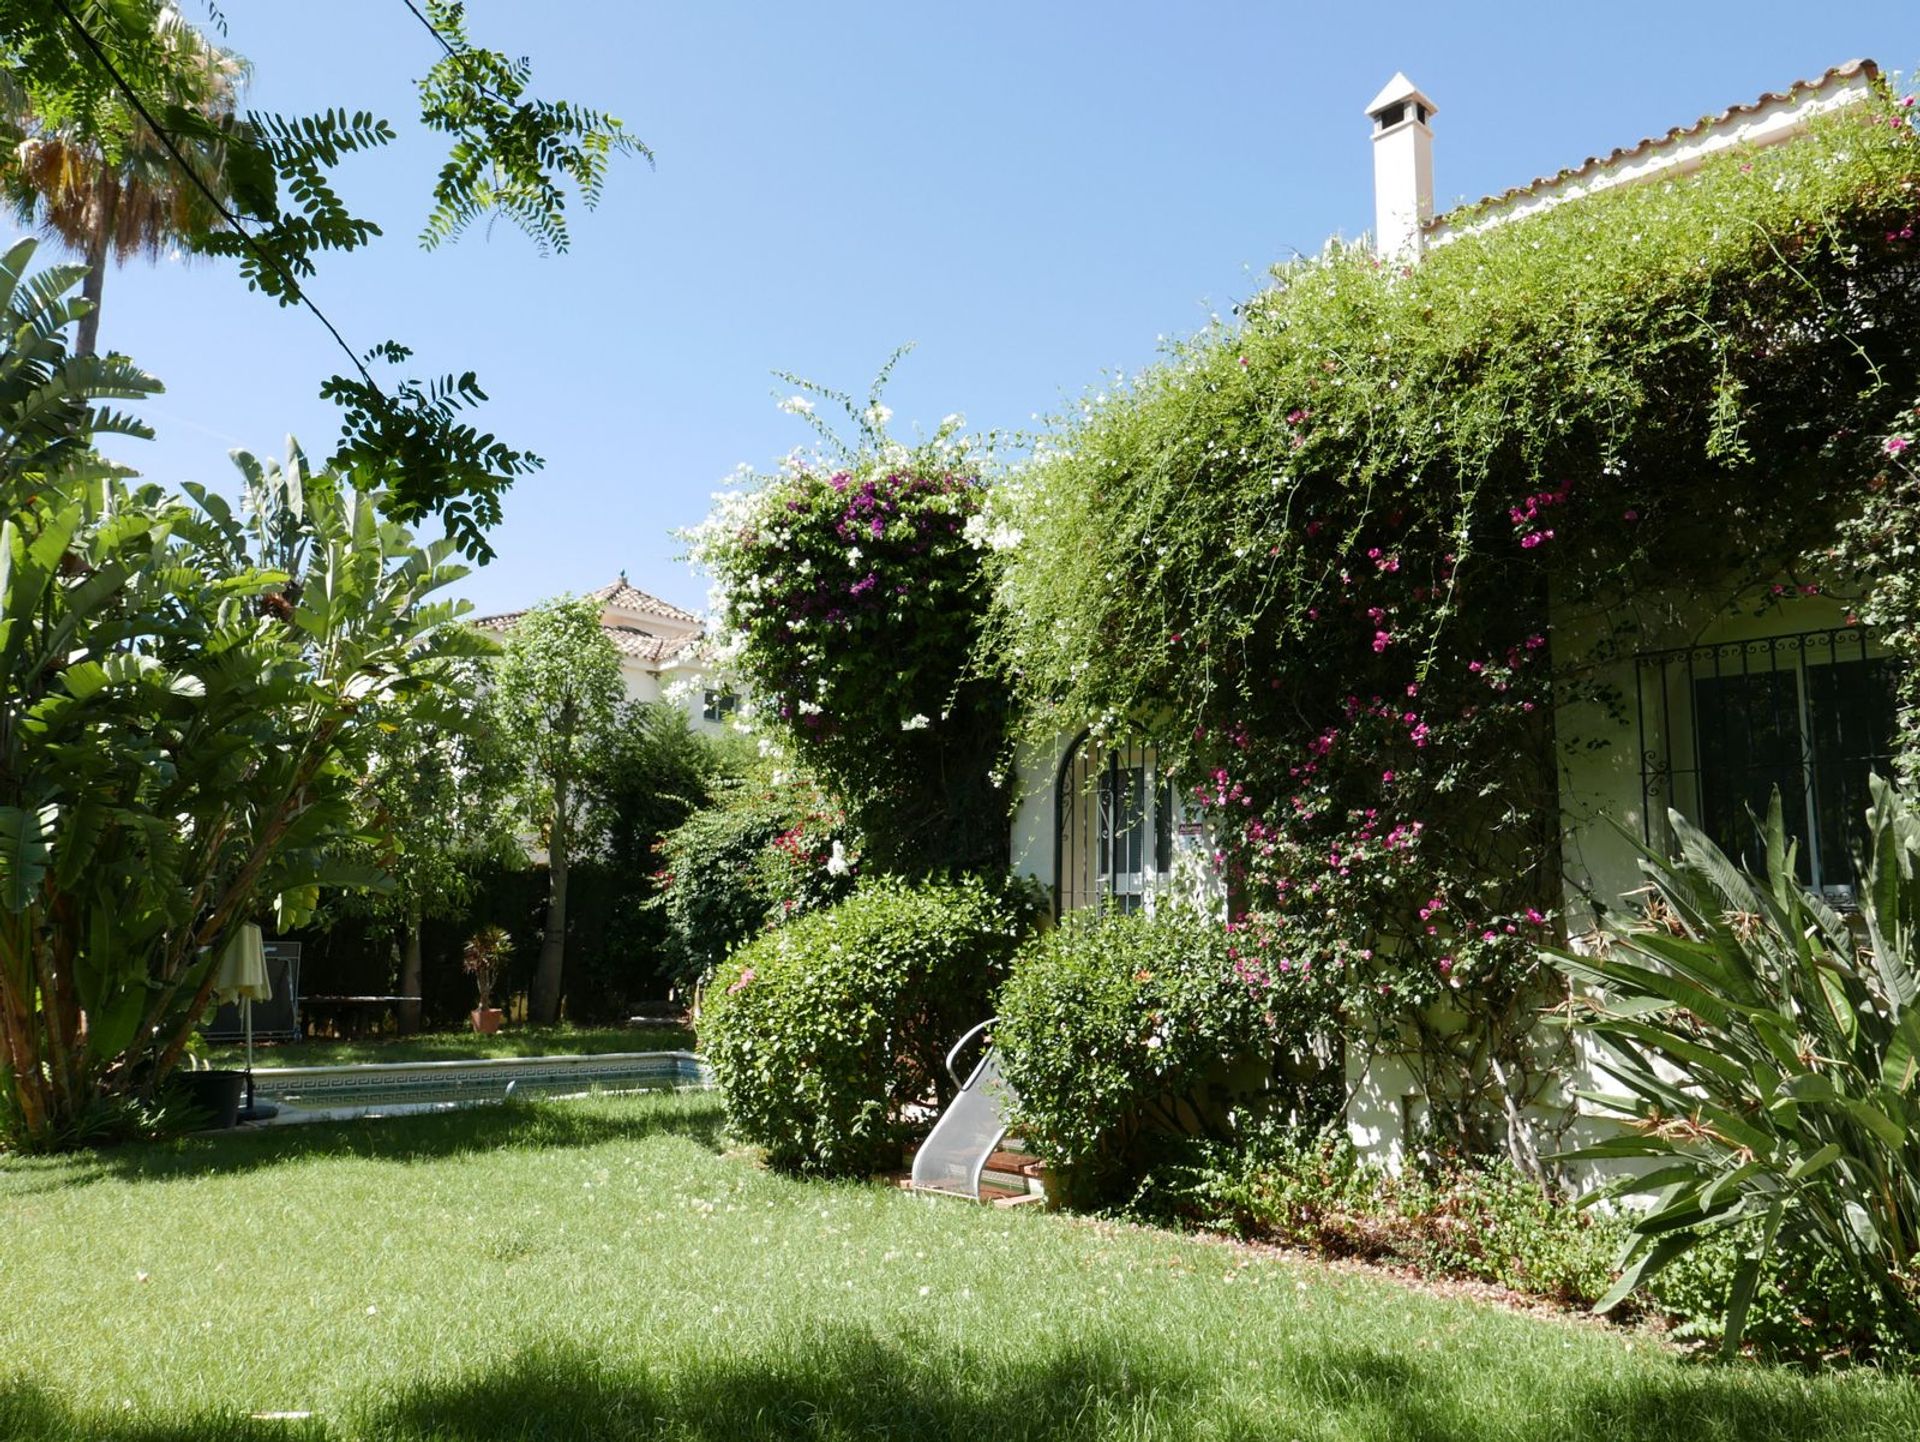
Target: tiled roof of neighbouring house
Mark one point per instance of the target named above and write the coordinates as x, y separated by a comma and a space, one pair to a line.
1595, 167
623, 597
628, 640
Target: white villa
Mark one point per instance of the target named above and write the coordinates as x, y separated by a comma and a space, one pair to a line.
658, 644
1724, 704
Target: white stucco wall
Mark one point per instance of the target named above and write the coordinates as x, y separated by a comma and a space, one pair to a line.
677, 684
1036, 773
642, 683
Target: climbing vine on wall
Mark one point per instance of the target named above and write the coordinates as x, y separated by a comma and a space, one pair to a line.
1320, 548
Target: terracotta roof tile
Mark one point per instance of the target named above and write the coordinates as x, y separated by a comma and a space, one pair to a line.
630, 598
628, 640
1596, 165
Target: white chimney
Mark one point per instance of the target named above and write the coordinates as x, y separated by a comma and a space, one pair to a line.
1402, 168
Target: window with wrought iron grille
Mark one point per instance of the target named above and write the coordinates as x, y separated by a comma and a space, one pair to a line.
1723, 725
1115, 816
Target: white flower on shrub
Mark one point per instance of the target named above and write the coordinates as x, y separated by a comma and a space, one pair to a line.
918, 722
983, 534
837, 864
797, 406
1156, 1041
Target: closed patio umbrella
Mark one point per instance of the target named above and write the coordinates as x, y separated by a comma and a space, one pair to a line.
241, 977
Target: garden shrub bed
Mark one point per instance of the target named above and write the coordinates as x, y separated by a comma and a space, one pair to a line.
828, 1036
1451, 1218
1122, 1035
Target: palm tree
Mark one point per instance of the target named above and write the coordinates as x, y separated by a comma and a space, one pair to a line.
115, 189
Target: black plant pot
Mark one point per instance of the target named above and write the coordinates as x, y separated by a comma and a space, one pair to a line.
216, 1092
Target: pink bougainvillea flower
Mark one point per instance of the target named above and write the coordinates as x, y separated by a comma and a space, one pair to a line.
1897, 444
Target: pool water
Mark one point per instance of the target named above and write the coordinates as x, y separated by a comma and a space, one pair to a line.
315, 1093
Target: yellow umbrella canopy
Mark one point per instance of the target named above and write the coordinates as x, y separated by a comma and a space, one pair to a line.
241, 977
242, 972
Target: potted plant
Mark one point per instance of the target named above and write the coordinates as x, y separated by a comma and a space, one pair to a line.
485, 958
212, 1092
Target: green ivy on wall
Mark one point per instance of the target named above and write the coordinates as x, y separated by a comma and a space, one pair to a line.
1321, 548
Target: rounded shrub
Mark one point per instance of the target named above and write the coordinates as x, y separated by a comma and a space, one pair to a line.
1120, 1033
828, 1035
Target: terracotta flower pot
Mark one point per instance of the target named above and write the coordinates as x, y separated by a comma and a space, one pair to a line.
487, 1019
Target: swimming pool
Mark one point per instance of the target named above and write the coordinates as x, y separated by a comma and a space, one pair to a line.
320, 1093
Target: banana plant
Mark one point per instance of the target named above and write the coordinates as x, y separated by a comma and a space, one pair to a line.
1769, 1051
184, 717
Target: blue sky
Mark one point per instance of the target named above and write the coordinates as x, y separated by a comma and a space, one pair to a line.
1031, 193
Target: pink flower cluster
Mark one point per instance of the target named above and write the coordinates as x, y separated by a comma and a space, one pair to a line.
1526, 515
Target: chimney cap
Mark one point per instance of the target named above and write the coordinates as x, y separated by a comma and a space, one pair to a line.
1398, 91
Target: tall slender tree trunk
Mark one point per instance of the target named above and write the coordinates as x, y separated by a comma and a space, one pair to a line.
410, 972
99, 246
553, 942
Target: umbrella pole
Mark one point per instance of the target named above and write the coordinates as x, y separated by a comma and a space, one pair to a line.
246, 1011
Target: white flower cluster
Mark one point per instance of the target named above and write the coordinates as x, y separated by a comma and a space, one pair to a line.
981, 531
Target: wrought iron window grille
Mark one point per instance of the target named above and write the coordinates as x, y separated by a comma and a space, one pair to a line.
1721, 725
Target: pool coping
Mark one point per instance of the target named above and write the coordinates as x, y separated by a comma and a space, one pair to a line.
271, 1082
388, 1068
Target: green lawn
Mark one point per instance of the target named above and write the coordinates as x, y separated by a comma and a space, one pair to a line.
564, 1039
602, 1269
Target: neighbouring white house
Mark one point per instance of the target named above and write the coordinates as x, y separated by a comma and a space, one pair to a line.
659, 646
1718, 704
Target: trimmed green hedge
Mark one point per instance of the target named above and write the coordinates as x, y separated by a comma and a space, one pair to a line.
1121, 1032
825, 1033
